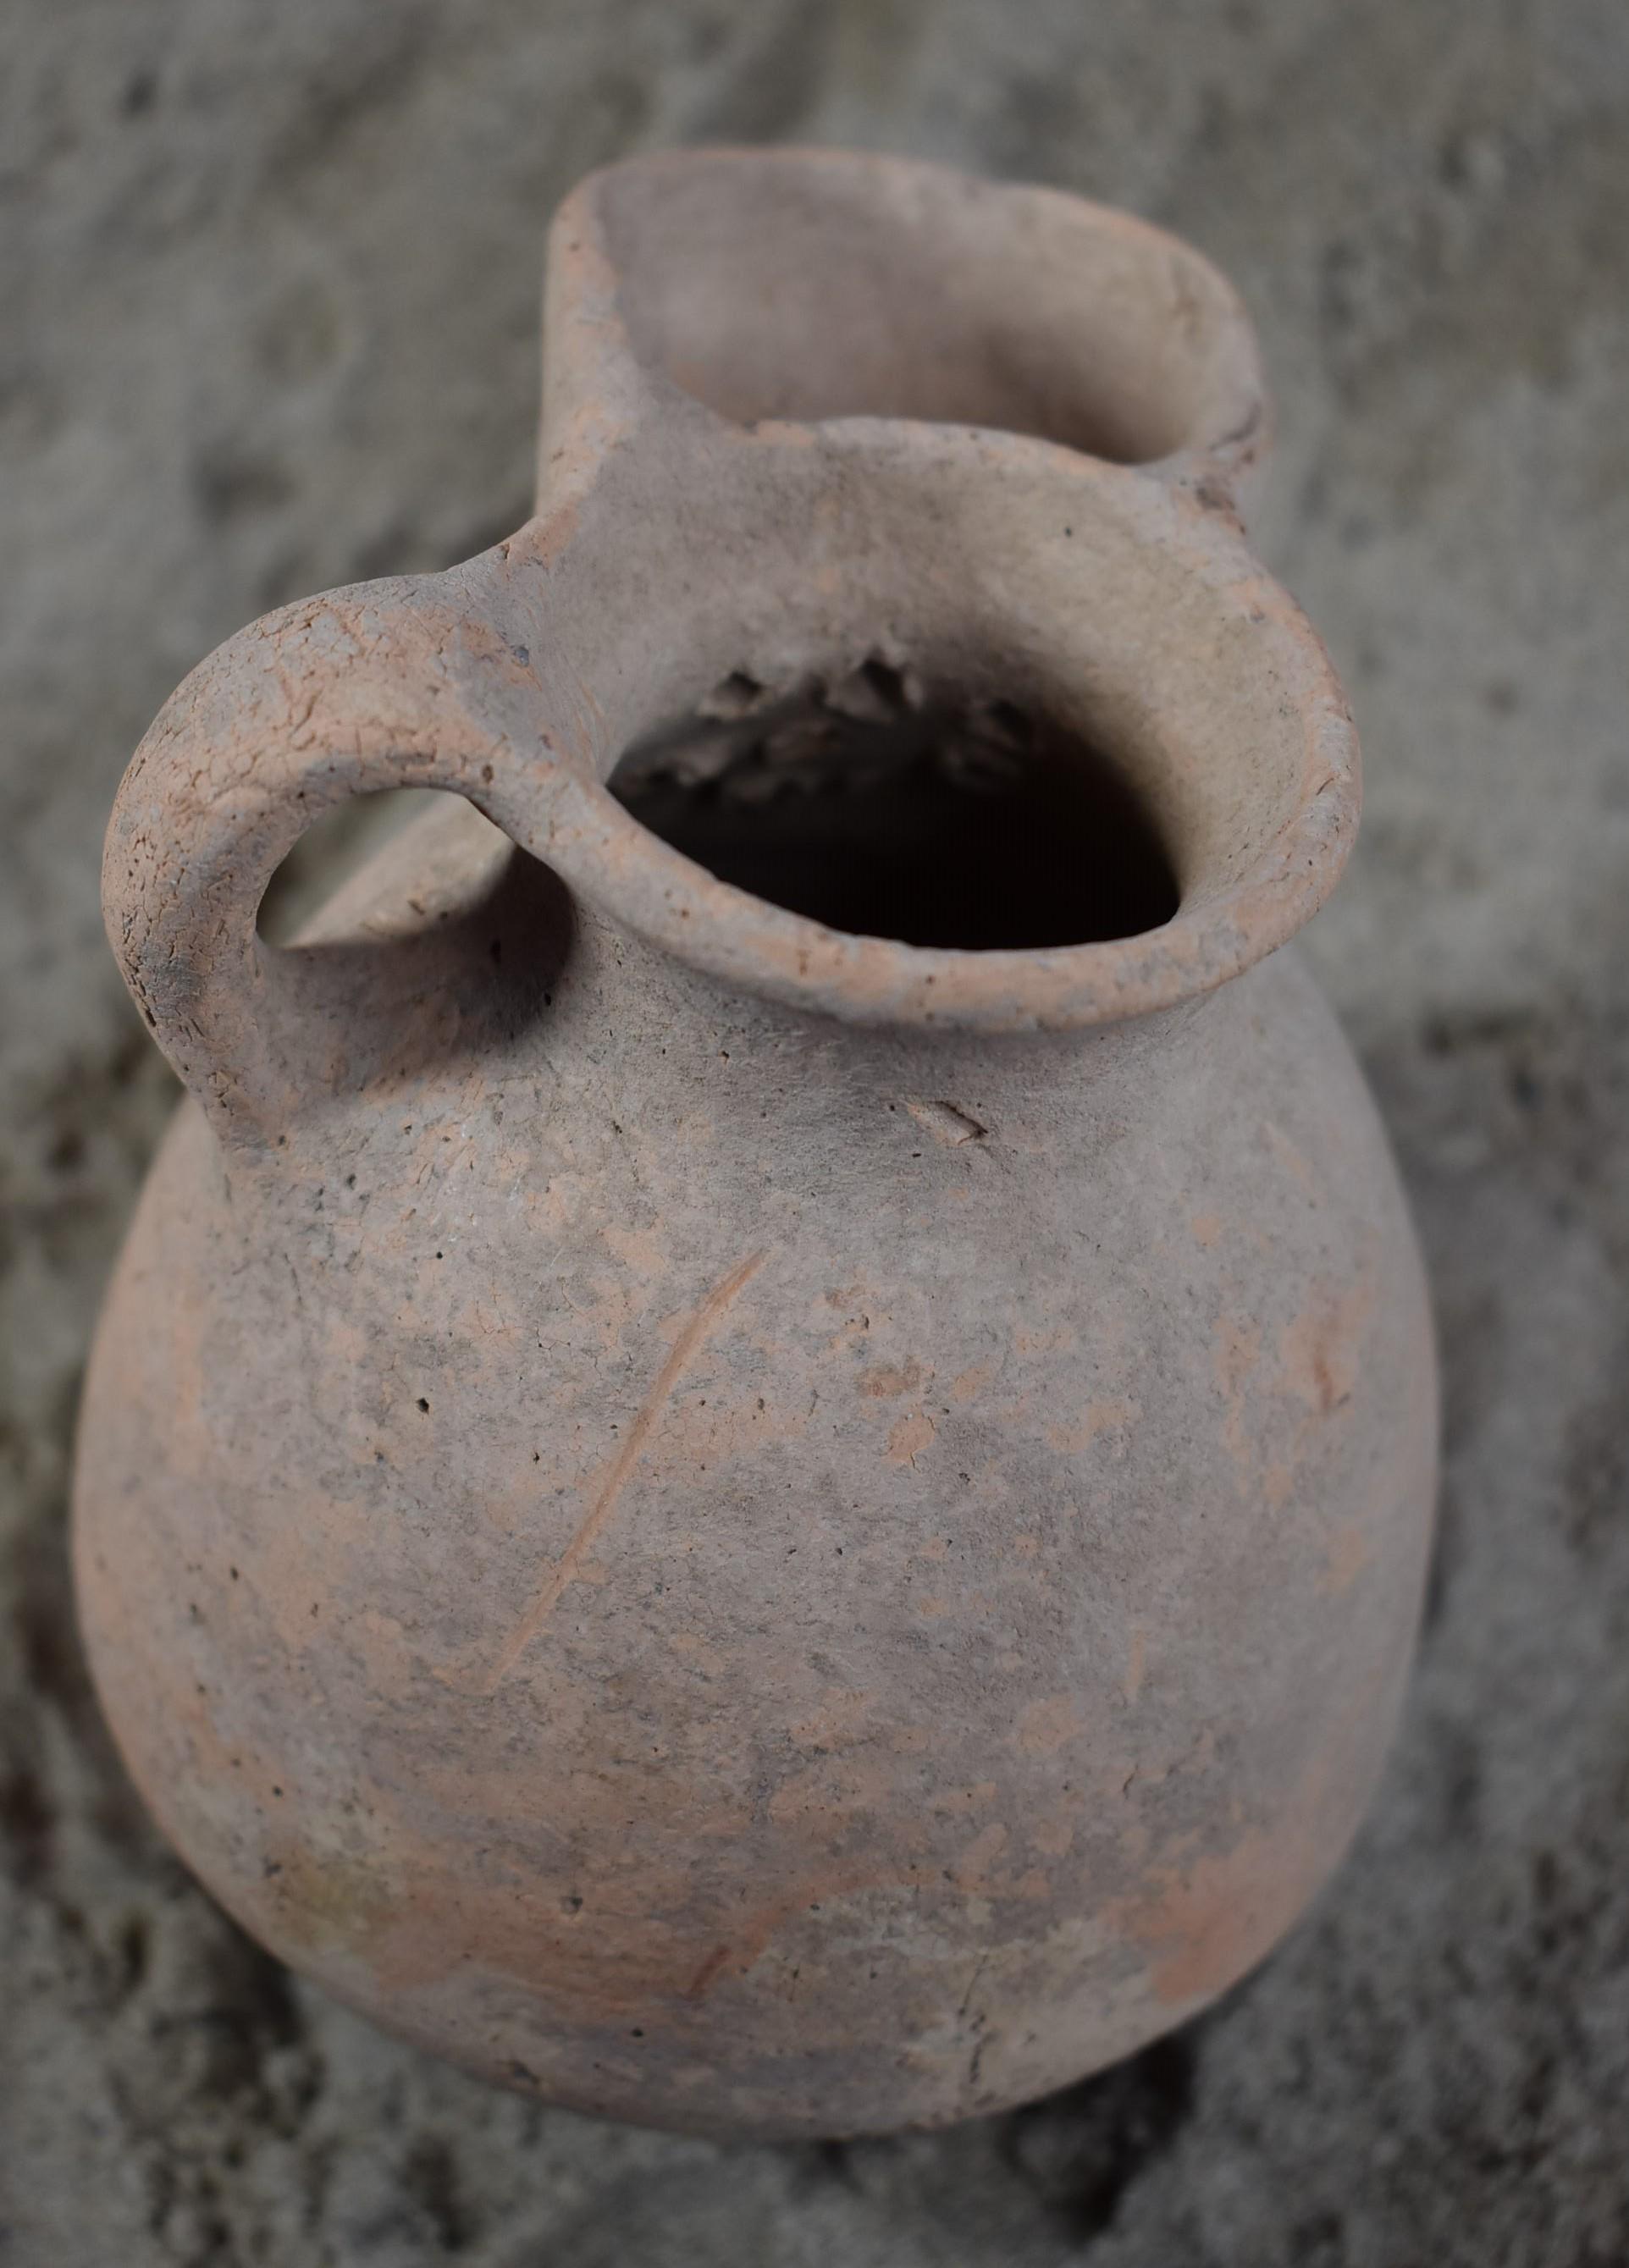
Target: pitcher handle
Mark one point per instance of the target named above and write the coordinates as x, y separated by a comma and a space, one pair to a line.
385, 684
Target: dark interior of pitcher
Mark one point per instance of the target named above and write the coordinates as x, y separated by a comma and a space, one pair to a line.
886, 809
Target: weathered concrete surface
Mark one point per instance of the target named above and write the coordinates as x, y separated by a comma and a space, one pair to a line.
271, 294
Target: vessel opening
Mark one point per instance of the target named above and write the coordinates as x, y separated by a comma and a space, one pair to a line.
883, 809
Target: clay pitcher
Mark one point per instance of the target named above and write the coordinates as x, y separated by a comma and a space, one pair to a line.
762, 1457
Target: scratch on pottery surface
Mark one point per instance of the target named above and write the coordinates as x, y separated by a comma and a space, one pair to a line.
1136, 1664
569, 1565
1291, 1156
947, 1122
708, 1974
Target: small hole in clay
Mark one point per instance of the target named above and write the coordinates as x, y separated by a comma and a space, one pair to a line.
873, 805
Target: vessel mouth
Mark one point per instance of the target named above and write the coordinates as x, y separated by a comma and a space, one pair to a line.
822, 431
875, 804
946, 728
992, 863
899, 653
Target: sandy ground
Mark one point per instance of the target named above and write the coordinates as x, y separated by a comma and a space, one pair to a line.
270, 298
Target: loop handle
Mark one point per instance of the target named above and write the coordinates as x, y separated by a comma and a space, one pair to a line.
378, 685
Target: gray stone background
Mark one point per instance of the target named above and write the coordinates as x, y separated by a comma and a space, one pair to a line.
268, 322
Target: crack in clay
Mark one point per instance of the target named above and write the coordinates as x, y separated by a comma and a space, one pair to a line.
685, 1348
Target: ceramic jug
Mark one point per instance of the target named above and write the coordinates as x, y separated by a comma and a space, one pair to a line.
762, 1457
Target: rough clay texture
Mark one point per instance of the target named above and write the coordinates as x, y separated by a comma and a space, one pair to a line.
236, 379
